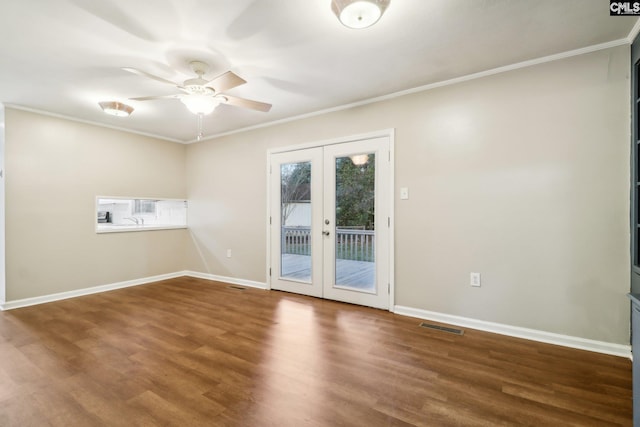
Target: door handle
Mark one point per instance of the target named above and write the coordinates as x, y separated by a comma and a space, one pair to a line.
326, 233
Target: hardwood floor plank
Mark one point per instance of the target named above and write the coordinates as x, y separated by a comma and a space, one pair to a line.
19, 411
164, 412
47, 361
60, 408
100, 401
595, 410
598, 397
165, 374
495, 407
188, 352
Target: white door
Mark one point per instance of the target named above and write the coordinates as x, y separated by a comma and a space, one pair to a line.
330, 222
296, 221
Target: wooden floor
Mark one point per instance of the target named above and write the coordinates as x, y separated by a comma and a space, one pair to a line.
189, 352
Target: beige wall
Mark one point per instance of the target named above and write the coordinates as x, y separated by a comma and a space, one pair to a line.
54, 170
521, 176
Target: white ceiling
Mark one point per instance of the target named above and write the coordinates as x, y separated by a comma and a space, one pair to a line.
64, 56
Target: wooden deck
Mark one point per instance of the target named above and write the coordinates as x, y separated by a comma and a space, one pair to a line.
351, 274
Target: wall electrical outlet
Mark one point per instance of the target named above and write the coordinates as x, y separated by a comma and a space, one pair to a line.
228, 253
475, 280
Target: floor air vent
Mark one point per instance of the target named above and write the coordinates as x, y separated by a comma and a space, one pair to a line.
237, 288
442, 328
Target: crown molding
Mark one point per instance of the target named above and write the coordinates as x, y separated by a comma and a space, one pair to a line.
634, 32
430, 86
89, 122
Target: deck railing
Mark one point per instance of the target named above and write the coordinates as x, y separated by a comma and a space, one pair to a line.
351, 244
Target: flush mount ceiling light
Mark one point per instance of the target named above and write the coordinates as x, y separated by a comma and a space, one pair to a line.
115, 108
359, 13
359, 159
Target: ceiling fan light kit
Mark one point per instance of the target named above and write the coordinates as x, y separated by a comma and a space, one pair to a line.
202, 96
358, 14
200, 104
115, 108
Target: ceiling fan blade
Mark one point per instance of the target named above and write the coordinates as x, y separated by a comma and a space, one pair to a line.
247, 103
149, 98
226, 81
151, 76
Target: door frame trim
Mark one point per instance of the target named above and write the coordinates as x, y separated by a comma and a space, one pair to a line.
388, 133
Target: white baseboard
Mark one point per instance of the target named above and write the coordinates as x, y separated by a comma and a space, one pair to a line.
26, 302
9, 305
515, 331
230, 280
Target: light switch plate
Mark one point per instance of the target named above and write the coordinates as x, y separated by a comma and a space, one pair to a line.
404, 193
474, 280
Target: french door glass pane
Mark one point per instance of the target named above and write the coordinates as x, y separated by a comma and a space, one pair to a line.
295, 221
355, 222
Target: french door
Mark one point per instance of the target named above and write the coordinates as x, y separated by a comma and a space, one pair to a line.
330, 221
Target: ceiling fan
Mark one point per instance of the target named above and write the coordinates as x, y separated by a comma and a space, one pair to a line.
202, 96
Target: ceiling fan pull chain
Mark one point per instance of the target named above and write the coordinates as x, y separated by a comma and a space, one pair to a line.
200, 133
